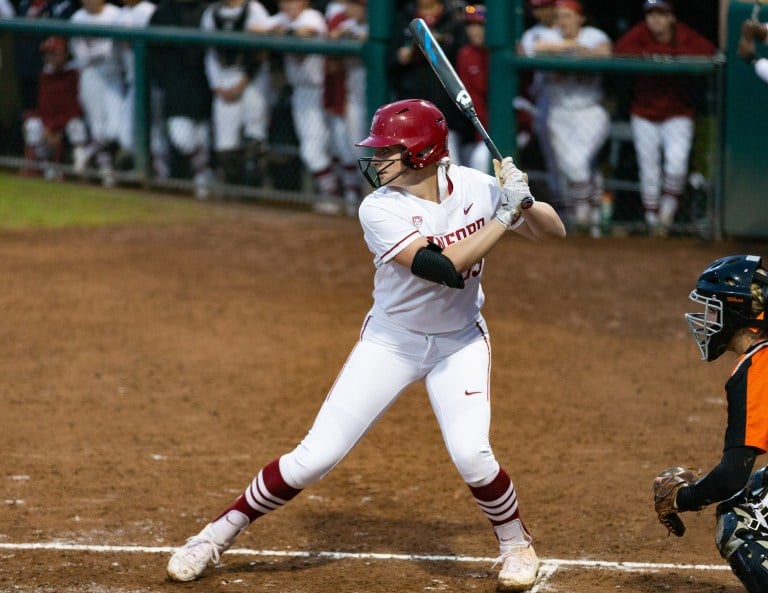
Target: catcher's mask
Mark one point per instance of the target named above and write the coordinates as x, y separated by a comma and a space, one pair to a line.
416, 125
725, 290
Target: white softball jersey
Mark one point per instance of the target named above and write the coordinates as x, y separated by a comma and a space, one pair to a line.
576, 90
392, 218
97, 51
304, 69
220, 75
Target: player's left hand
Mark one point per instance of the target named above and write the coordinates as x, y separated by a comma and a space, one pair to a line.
665, 488
513, 183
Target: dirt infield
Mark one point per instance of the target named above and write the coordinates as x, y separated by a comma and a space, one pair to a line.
146, 374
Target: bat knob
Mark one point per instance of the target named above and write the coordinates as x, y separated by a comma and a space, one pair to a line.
526, 203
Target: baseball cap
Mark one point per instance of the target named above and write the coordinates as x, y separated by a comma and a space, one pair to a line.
53, 44
661, 5
573, 5
474, 13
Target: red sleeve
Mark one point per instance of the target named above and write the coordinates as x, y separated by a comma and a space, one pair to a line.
632, 42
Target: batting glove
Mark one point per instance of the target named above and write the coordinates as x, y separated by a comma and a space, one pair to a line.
508, 217
516, 194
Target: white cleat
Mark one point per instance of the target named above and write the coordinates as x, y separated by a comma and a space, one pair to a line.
519, 568
189, 561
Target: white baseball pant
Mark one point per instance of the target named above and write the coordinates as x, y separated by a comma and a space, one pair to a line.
456, 370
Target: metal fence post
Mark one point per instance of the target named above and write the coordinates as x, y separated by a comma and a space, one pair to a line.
500, 39
375, 52
141, 123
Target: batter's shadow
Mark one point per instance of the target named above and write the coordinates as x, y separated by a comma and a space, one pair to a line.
354, 534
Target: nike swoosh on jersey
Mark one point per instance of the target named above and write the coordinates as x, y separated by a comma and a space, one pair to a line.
466, 392
468, 208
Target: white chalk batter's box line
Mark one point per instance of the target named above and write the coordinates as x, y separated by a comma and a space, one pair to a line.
547, 563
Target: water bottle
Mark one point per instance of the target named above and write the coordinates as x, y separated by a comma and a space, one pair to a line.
606, 214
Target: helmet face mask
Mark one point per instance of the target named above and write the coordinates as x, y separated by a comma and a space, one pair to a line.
725, 291
414, 124
372, 173
704, 326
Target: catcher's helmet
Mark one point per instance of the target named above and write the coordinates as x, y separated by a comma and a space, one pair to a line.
415, 124
725, 290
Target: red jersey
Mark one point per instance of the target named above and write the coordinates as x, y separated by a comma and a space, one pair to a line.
57, 98
747, 393
660, 97
472, 67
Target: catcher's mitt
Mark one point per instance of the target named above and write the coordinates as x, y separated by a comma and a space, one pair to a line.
665, 487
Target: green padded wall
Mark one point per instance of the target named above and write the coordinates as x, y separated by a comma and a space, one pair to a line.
745, 195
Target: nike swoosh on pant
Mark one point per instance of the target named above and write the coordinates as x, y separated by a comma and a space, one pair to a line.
471, 392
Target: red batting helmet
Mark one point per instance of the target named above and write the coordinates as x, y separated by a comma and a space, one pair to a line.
415, 124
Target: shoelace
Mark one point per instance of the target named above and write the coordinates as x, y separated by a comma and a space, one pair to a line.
518, 563
198, 541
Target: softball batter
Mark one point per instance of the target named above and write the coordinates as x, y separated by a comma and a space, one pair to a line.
429, 226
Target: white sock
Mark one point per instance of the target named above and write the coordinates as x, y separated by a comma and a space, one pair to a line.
227, 527
512, 534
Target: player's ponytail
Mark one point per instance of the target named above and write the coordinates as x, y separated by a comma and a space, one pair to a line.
759, 290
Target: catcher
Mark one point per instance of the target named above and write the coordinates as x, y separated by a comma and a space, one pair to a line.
733, 291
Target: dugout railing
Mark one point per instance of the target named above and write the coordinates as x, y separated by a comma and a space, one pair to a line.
703, 202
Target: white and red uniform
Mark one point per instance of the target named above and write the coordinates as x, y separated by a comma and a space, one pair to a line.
344, 100
306, 73
101, 75
416, 331
578, 123
58, 112
225, 68
662, 114
538, 92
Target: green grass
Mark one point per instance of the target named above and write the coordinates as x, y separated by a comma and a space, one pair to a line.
36, 203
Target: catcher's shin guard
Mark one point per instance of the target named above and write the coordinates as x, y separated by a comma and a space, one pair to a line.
744, 544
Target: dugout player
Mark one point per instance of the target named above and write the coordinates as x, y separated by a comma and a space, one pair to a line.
101, 83
733, 291
662, 111
57, 122
429, 225
577, 124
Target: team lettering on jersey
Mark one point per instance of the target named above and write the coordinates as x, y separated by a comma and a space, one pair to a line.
456, 236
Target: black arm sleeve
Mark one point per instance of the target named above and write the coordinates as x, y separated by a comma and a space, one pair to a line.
430, 264
726, 479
